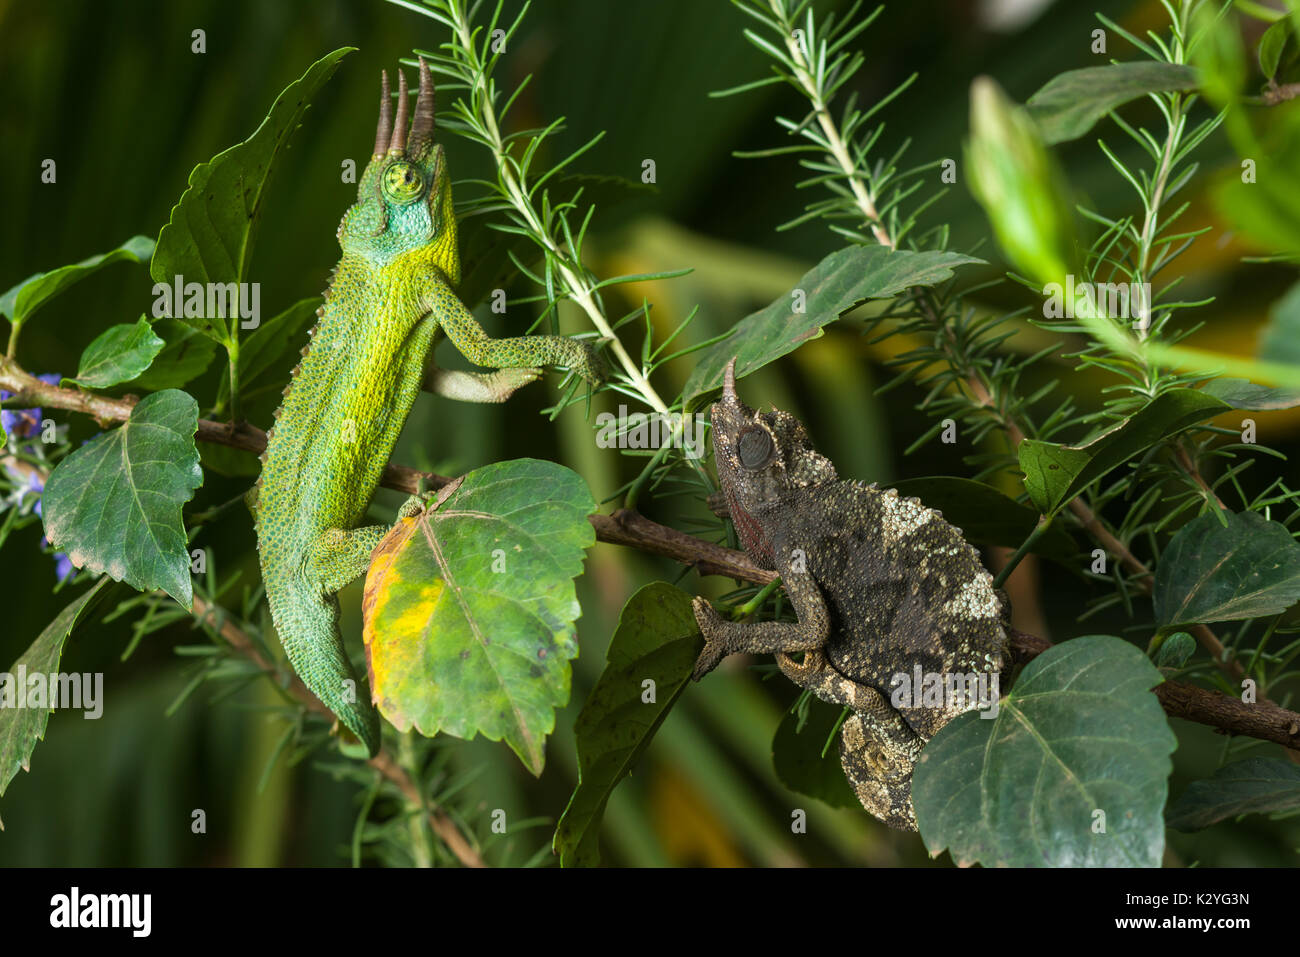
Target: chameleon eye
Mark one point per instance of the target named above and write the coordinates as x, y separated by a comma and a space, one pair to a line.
754, 448
402, 182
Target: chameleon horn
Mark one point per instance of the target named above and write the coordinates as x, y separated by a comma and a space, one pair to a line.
729, 381
422, 128
398, 142
385, 131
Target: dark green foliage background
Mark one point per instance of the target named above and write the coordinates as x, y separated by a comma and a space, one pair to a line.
111, 91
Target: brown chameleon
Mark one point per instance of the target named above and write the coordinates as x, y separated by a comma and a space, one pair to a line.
880, 584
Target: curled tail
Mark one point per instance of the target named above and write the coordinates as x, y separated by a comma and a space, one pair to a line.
308, 625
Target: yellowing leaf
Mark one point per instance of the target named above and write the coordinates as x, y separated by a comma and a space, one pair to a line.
469, 608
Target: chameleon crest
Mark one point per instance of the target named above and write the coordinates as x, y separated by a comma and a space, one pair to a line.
883, 587
404, 209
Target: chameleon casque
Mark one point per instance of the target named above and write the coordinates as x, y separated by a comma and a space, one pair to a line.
387, 305
880, 584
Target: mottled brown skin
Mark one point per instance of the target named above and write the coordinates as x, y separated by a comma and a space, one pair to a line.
879, 583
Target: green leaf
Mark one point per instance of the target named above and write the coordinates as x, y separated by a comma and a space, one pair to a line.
1016, 179
1259, 197
842, 281
1049, 469
1175, 650
114, 505
1264, 206
1253, 786
798, 759
1271, 45
1209, 572
119, 353
186, 355
657, 640
1219, 54
1079, 733
470, 608
986, 516
1055, 474
36, 290
21, 728
1280, 339
228, 461
210, 235
1244, 394
268, 345
1070, 103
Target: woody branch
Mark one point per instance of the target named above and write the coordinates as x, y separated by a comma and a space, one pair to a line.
1262, 719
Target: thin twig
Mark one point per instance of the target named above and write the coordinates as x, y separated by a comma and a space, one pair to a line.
1276, 94
839, 151
1186, 463
621, 528
1107, 539
383, 762
1262, 720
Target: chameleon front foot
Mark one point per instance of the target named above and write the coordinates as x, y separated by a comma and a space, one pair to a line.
713, 627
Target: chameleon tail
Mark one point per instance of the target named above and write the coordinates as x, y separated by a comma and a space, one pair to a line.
882, 783
309, 633
358, 716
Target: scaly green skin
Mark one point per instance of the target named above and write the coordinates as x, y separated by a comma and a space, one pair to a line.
390, 299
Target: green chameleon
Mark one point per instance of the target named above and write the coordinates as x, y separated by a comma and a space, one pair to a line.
371, 352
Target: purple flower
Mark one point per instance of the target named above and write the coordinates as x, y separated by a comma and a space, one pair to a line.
36, 485
25, 423
63, 566
19, 423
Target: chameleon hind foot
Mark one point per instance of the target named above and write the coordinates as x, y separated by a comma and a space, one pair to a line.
428, 500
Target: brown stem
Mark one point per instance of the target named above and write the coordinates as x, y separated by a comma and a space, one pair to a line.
1181, 699
1104, 537
621, 528
1088, 519
635, 530
1261, 720
383, 762
1188, 466
1146, 581
1276, 94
